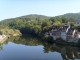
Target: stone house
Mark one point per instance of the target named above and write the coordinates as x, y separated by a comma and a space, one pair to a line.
55, 33
66, 33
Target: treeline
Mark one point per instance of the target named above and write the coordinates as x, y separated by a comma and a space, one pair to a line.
34, 24
8, 31
37, 27
70, 15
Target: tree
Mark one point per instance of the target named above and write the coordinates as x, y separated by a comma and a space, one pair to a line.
53, 19
72, 24
64, 20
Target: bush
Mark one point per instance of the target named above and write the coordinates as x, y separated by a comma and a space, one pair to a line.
49, 38
9, 31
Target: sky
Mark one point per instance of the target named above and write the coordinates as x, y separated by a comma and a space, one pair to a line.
16, 8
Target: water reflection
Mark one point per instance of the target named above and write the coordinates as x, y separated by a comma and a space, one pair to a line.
67, 52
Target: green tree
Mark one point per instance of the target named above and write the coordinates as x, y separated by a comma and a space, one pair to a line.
53, 19
72, 24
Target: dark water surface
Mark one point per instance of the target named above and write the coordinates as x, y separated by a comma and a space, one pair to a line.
30, 48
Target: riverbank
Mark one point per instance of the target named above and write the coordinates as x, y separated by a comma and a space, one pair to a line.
49, 39
5, 37
2, 38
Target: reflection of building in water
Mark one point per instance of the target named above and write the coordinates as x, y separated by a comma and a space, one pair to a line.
70, 53
67, 52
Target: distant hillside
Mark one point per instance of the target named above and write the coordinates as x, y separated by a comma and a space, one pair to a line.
26, 18
30, 17
70, 15
37, 24
35, 17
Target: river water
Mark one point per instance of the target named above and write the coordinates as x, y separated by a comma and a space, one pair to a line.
31, 48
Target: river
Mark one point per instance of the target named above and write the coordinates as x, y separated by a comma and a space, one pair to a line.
31, 48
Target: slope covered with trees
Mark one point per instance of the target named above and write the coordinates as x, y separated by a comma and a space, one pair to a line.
8, 31
70, 15
26, 24
38, 24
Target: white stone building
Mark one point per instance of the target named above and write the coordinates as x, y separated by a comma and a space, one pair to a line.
66, 32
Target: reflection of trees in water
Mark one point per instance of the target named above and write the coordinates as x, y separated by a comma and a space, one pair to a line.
11, 39
0, 47
28, 41
25, 40
46, 47
67, 52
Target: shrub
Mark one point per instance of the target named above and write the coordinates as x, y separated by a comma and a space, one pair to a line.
48, 38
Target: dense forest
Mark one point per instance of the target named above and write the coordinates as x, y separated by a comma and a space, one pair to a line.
70, 15
38, 24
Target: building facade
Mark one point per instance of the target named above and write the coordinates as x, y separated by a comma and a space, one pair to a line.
66, 32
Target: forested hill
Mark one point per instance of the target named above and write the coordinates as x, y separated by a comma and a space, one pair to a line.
70, 15
35, 17
26, 24
29, 17
38, 24
26, 18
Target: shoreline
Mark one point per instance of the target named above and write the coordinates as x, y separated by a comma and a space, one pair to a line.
2, 38
5, 37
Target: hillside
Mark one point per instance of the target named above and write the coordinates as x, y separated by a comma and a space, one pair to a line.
37, 24
70, 15
26, 18
34, 17
25, 24
8, 31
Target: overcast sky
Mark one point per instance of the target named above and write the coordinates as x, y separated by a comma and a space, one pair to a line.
16, 8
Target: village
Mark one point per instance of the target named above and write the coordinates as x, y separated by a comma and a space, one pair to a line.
67, 32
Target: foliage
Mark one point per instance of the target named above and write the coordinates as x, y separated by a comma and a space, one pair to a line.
77, 27
33, 24
70, 15
7, 31
72, 24
48, 38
